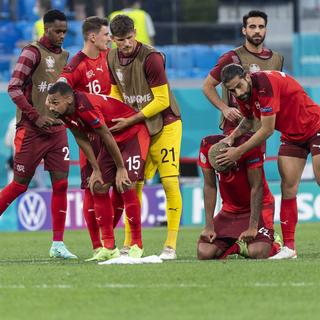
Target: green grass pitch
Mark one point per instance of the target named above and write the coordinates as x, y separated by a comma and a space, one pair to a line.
34, 287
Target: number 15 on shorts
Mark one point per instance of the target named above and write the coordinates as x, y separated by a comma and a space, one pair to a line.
134, 163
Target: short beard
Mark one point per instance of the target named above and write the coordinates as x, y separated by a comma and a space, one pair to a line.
255, 43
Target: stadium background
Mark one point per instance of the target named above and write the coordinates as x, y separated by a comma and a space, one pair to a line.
193, 36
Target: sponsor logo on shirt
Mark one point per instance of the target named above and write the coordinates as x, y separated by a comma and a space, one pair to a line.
99, 68
251, 161
266, 109
203, 158
50, 64
138, 99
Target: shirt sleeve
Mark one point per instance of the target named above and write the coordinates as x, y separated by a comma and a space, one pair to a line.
93, 118
25, 66
254, 158
269, 98
227, 58
154, 70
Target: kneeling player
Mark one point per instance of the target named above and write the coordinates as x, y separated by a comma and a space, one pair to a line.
121, 157
247, 205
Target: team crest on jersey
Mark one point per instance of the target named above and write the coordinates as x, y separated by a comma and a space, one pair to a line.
254, 68
50, 64
257, 104
89, 74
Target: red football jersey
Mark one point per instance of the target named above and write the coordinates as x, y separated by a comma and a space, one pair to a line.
234, 185
88, 75
92, 111
274, 92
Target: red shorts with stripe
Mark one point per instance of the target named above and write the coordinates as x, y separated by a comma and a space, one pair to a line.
85, 166
134, 153
32, 146
302, 149
228, 227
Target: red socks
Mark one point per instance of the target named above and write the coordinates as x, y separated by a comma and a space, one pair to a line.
104, 216
59, 208
288, 220
10, 193
89, 216
118, 206
133, 212
234, 249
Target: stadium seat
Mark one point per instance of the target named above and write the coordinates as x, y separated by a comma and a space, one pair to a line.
9, 35
25, 10
205, 58
182, 61
74, 34
25, 28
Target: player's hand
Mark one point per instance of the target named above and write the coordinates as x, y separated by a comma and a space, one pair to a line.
229, 156
229, 140
120, 124
232, 114
44, 122
248, 235
96, 177
209, 234
122, 180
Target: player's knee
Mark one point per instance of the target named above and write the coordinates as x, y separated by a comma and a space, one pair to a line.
260, 251
170, 184
289, 189
60, 186
203, 253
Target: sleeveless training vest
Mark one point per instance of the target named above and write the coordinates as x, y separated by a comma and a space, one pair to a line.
250, 63
44, 76
134, 88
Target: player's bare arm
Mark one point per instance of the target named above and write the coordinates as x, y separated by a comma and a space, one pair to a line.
122, 123
233, 154
209, 89
256, 199
122, 179
210, 198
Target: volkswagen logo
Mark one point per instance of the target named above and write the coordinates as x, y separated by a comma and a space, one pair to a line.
32, 211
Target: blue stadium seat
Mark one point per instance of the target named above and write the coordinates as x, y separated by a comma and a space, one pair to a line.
9, 35
182, 61
58, 4
74, 34
25, 28
205, 58
72, 50
25, 10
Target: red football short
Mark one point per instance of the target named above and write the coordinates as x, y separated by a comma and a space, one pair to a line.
301, 150
229, 226
32, 145
134, 153
85, 166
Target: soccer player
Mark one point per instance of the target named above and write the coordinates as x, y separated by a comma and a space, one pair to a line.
247, 211
86, 113
253, 56
138, 78
280, 102
39, 135
88, 72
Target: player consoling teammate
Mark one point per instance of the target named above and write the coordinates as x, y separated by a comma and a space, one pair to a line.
280, 103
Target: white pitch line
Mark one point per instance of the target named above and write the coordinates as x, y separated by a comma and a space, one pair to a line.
280, 284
